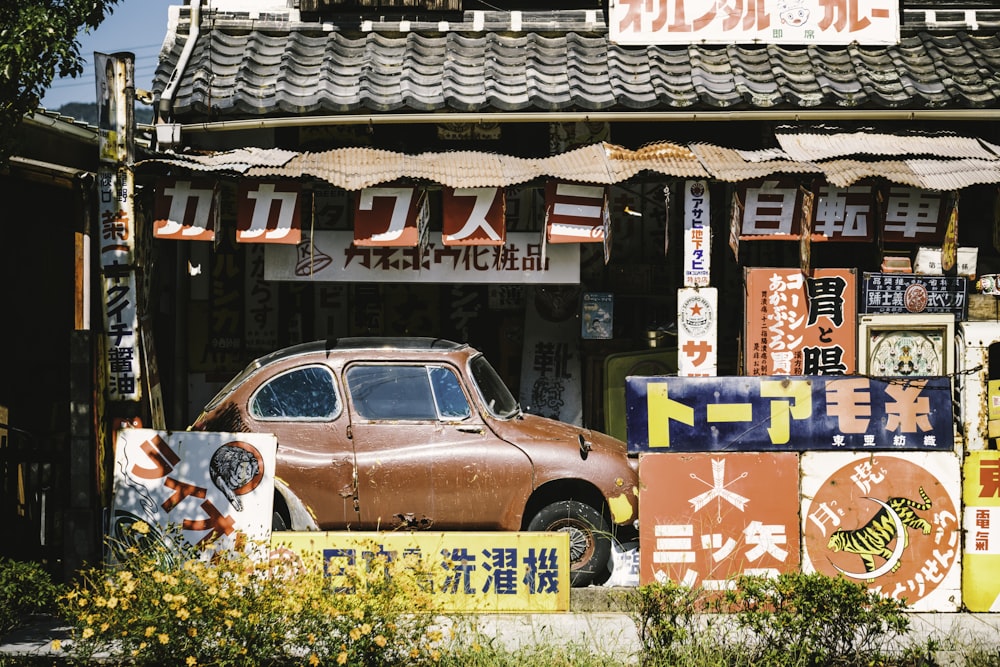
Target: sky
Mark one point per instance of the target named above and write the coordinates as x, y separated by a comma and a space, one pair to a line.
137, 26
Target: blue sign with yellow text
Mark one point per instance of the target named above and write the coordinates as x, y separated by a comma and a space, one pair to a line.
793, 413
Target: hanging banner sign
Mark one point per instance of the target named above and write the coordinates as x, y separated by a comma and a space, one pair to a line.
911, 293
473, 216
772, 210
465, 572
116, 209
697, 331
333, 257
121, 326
758, 22
697, 234
981, 521
575, 213
392, 217
788, 413
268, 213
798, 325
844, 214
207, 485
915, 216
185, 210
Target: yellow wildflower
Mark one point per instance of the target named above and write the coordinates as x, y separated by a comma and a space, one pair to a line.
342, 658
104, 627
88, 633
313, 659
414, 652
183, 614
355, 634
143, 645
381, 640
163, 637
150, 629
112, 602
56, 644
192, 631
366, 628
191, 661
435, 655
141, 527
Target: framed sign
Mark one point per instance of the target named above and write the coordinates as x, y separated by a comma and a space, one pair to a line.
906, 345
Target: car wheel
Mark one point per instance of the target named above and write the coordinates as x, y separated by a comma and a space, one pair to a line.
279, 516
589, 538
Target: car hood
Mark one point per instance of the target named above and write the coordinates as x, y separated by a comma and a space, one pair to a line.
532, 428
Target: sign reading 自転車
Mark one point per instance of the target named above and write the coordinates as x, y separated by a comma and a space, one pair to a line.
761, 21
488, 571
794, 413
331, 256
210, 486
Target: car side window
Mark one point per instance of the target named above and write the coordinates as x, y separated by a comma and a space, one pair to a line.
448, 394
418, 393
307, 393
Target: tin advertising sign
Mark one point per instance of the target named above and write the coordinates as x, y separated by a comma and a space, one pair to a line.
787, 413
705, 518
981, 521
889, 521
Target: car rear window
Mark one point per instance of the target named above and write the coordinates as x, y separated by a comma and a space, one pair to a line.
306, 393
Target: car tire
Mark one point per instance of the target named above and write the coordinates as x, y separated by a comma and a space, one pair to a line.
589, 538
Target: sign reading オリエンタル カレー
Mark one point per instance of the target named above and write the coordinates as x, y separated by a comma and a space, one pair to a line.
793, 413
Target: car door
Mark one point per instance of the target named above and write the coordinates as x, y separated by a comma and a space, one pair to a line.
425, 457
303, 407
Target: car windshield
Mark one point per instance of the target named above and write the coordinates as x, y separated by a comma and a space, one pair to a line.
495, 394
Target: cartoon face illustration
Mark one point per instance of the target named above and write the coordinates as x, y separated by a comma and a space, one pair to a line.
793, 13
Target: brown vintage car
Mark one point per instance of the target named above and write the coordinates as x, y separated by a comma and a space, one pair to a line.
387, 433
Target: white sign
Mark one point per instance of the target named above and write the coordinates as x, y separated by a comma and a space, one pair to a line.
697, 234
207, 485
330, 256
697, 331
121, 326
753, 22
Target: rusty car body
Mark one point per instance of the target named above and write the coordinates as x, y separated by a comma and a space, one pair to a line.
419, 433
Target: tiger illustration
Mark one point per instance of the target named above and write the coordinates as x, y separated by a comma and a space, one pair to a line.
873, 538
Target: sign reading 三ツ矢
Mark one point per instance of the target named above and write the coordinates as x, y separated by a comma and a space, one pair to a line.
489, 571
788, 413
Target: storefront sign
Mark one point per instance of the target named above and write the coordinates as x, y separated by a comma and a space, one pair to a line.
575, 213
772, 210
889, 521
981, 521
551, 369
697, 331
121, 327
788, 413
762, 21
269, 213
910, 293
115, 187
598, 317
207, 485
697, 234
483, 572
844, 214
914, 216
473, 216
333, 257
798, 325
706, 518
260, 304
391, 217
185, 210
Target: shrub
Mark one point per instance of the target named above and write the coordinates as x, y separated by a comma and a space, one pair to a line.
25, 588
814, 619
229, 608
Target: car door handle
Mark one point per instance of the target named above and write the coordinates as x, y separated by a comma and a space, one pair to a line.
470, 429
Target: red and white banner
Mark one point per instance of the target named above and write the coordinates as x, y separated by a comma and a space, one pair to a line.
390, 217
473, 216
185, 210
575, 213
269, 213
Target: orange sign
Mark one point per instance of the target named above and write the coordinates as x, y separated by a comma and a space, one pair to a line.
704, 518
185, 210
473, 216
390, 217
798, 325
269, 213
575, 213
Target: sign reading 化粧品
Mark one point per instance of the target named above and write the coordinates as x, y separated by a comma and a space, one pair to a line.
795, 413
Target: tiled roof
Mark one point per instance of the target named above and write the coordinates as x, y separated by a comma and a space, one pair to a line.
279, 65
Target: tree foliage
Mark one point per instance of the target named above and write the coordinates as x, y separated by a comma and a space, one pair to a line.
38, 41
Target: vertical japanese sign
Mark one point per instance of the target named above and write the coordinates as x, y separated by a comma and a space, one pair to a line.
697, 234
761, 21
887, 521
697, 331
473, 216
260, 304
798, 325
269, 213
550, 367
391, 217
705, 518
207, 485
981, 521
185, 210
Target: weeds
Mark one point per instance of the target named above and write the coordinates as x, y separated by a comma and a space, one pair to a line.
25, 588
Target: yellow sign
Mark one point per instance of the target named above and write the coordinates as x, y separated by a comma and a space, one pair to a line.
981, 569
480, 572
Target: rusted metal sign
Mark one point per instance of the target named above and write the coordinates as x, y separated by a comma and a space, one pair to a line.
788, 413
